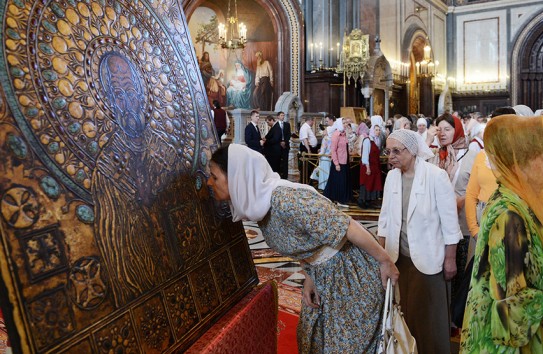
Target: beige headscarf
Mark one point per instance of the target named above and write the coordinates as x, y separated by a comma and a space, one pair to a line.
251, 182
515, 149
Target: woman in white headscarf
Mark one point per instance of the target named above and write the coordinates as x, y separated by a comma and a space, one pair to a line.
378, 120
338, 188
371, 184
418, 226
422, 128
322, 171
476, 144
346, 268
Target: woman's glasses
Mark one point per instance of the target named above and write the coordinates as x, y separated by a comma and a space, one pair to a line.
393, 151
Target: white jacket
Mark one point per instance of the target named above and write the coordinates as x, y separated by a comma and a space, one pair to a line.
432, 220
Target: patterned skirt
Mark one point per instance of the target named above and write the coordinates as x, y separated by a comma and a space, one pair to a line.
349, 318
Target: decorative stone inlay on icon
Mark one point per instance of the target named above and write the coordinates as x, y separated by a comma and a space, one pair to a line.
117, 337
181, 307
17, 146
50, 317
43, 253
85, 214
85, 285
50, 187
19, 207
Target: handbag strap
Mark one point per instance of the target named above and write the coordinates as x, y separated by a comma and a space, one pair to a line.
387, 306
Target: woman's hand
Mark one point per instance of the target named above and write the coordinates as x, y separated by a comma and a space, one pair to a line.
449, 268
338, 168
388, 270
368, 170
310, 296
460, 202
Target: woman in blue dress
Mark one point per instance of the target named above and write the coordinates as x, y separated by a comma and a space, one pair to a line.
240, 88
346, 269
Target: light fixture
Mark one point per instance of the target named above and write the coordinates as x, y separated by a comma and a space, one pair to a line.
233, 35
426, 67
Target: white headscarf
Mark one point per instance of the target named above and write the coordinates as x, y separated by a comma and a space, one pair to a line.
477, 129
330, 131
377, 120
538, 113
523, 110
251, 182
338, 125
421, 121
413, 142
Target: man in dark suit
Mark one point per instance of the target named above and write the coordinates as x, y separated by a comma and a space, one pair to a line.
253, 139
272, 144
285, 144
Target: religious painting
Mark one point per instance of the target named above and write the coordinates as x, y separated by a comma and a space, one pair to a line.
241, 78
379, 102
109, 237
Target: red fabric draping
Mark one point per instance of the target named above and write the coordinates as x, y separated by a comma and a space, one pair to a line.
249, 327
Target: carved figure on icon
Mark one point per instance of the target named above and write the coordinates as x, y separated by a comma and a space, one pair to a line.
129, 171
239, 91
263, 93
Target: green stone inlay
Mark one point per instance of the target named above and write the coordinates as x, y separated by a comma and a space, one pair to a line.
50, 187
199, 183
166, 69
46, 48
173, 88
31, 112
19, 3
17, 72
53, 147
92, 148
176, 124
13, 34
174, 140
204, 132
74, 128
176, 106
49, 75
203, 158
85, 214
58, 11
80, 175
71, 2
49, 26
18, 146
59, 103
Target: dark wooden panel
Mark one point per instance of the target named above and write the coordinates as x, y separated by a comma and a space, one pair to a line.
110, 240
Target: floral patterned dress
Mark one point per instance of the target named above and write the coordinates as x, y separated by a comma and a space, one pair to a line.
349, 284
505, 304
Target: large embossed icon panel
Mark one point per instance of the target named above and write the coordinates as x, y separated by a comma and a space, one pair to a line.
110, 240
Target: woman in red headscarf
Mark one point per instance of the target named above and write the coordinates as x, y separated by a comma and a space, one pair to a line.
454, 157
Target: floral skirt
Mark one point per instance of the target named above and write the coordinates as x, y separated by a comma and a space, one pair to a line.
349, 318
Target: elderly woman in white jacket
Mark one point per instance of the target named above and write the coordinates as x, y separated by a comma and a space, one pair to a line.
418, 226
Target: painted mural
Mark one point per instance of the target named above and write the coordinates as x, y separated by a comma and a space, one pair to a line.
241, 78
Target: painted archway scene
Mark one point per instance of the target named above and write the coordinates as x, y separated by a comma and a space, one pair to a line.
242, 78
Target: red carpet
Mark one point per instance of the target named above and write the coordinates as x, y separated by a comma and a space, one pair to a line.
286, 341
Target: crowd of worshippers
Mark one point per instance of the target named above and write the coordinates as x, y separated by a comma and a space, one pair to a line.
460, 221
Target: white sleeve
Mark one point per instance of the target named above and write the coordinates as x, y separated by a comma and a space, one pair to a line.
366, 147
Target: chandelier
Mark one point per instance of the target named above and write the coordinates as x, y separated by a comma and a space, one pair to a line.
233, 35
426, 67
